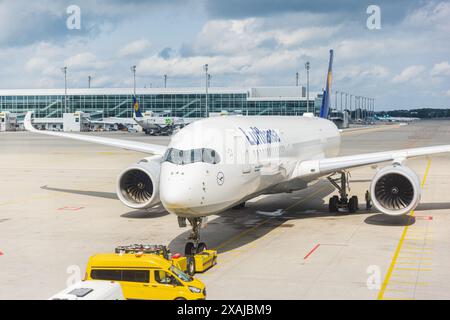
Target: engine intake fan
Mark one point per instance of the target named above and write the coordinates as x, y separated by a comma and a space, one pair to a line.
395, 190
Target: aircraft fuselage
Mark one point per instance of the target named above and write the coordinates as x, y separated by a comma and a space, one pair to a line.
216, 163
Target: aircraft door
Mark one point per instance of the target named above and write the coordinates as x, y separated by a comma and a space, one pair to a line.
241, 154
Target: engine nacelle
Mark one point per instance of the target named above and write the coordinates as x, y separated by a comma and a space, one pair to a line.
395, 190
138, 185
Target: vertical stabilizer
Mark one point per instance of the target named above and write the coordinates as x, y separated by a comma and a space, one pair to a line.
325, 109
136, 108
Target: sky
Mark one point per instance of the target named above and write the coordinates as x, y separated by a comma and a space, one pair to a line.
403, 64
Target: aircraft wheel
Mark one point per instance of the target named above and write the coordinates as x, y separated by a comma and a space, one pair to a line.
353, 204
333, 204
190, 267
189, 249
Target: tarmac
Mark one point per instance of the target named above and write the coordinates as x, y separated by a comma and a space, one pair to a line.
58, 207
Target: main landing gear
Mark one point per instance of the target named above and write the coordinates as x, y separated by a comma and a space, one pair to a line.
342, 201
194, 246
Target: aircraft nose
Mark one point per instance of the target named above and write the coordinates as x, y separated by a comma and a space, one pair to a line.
176, 194
172, 199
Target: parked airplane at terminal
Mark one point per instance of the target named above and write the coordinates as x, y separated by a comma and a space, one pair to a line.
387, 118
155, 124
218, 163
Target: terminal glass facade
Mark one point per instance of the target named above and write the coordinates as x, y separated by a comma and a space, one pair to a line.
174, 104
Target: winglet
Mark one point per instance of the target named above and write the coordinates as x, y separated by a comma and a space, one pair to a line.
27, 122
325, 109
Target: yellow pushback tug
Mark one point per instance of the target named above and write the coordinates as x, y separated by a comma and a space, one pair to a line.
152, 272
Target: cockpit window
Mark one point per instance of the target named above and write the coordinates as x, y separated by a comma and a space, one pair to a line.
182, 157
210, 156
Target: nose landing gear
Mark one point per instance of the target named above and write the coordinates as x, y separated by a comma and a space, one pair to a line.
195, 246
342, 201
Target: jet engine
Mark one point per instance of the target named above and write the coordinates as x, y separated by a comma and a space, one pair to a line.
395, 190
138, 185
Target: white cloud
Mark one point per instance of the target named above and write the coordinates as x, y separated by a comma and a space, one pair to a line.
432, 15
300, 36
192, 66
409, 73
441, 69
86, 61
134, 48
264, 50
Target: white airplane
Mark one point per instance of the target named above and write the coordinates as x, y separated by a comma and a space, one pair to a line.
221, 162
155, 124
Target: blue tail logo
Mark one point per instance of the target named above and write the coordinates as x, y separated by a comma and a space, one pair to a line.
137, 109
325, 109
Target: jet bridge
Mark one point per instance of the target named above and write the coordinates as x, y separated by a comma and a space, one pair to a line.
8, 121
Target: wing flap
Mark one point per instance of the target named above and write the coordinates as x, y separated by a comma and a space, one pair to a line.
330, 165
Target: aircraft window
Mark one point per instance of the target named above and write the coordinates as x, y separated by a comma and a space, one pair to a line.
186, 156
210, 156
197, 155
182, 157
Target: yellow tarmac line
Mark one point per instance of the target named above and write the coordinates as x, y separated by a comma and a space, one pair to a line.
418, 251
414, 258
400, 244
413, 269
395, 290
240, 235
402, 275
410, 283
422, 263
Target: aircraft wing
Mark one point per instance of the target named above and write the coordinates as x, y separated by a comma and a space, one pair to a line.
335, 164
124, 144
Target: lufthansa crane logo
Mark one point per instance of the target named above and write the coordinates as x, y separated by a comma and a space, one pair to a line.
220, 178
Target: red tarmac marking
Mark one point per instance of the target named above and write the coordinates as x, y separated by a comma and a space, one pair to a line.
425, 217
311, 252
71, 208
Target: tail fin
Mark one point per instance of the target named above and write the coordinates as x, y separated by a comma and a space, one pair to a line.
137, 108
325, 109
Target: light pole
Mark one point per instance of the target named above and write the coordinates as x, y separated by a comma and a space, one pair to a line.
357, 107
335, 99
165, 81
307, 66
365, 108
209, 80
64, 70
89, 81
133, 70
205, 68
296, 79
346, 101
351, 97
373, 107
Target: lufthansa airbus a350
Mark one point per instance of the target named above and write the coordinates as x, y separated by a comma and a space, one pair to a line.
217, 163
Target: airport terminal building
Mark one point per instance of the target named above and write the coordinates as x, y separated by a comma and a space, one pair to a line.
177, 102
